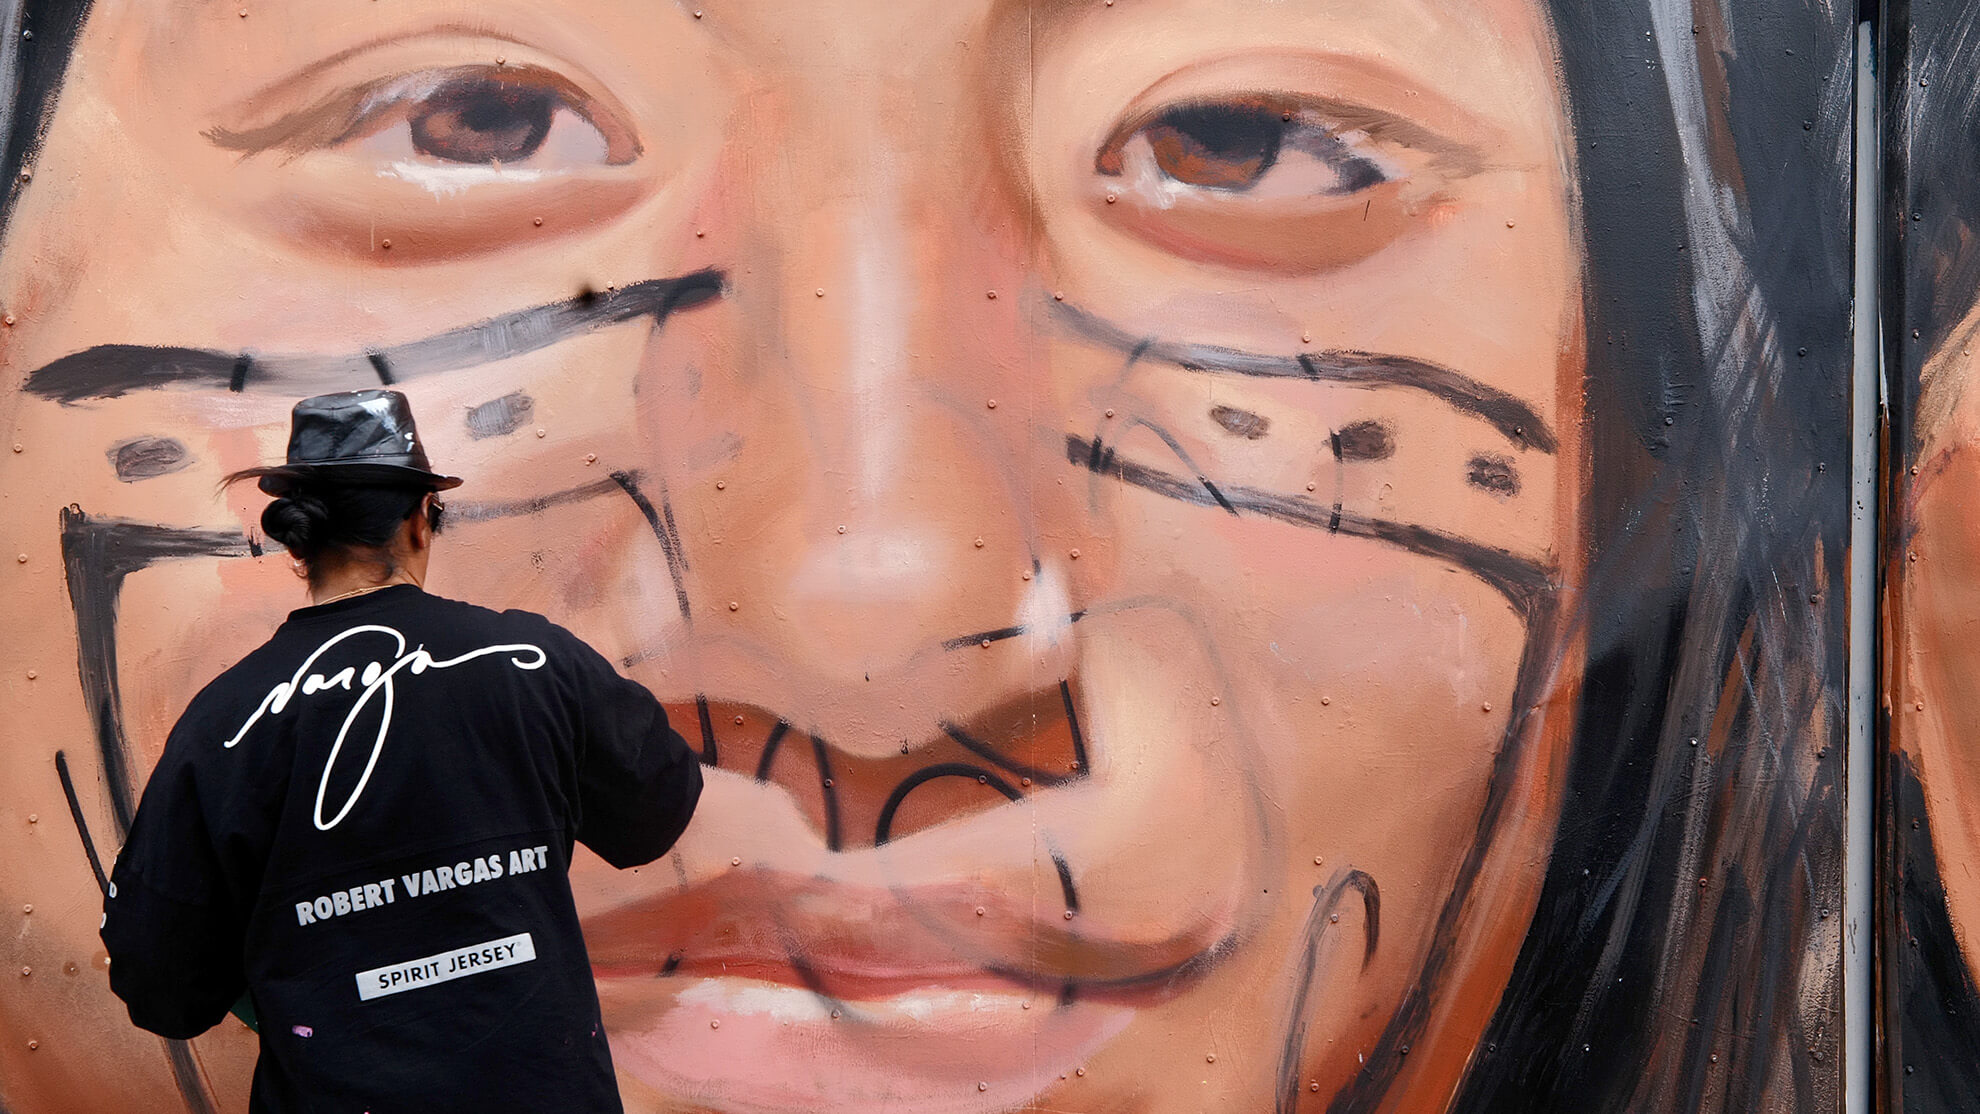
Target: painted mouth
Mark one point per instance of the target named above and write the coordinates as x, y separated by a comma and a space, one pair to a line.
955, 991
931, 998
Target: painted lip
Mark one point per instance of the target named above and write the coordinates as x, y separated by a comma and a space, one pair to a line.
734, 990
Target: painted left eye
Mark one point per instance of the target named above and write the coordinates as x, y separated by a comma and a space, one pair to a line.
1257, 145
475, 120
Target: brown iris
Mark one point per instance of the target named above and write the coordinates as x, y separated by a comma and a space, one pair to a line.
476, 120
1226, 146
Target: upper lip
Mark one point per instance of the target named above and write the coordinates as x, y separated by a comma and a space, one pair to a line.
846, 941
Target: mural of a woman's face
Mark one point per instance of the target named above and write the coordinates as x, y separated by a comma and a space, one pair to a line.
1097, 480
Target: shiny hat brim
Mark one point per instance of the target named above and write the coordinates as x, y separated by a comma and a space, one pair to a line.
280, 478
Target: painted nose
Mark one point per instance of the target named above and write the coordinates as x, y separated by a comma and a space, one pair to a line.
875, 514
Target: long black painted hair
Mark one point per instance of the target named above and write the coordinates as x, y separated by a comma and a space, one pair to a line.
1684, 953
1931, 268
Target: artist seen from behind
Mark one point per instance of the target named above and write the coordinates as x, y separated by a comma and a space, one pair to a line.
366, 824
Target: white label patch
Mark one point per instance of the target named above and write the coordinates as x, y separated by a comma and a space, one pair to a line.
471, 960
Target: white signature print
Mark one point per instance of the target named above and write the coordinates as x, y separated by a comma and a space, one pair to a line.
376, 677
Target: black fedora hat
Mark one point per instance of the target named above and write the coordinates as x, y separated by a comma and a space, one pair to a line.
353, 437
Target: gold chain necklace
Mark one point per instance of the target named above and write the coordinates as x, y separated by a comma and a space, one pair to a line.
360, 592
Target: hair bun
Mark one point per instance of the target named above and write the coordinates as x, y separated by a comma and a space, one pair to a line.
299, 521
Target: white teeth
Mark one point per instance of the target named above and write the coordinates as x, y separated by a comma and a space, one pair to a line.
785, 1003
794, 1004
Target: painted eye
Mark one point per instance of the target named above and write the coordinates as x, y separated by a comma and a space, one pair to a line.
1257, 145
474, 120
523, 118
1267, 181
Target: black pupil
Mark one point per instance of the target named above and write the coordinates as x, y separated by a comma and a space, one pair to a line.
480, 121
1221, 146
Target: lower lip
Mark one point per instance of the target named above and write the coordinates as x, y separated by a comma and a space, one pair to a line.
744, 1046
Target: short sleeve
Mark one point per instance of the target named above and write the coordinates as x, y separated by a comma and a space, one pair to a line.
171, 927
638, 780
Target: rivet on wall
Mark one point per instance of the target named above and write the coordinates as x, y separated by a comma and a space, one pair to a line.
32, 674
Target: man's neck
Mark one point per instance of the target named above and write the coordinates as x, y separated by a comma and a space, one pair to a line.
350, 581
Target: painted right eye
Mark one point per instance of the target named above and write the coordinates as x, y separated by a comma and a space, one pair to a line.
1269, 181
509, 118
1246, 145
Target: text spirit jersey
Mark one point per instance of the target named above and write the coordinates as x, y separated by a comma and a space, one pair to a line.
366, 824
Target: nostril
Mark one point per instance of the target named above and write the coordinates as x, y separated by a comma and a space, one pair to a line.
854, 798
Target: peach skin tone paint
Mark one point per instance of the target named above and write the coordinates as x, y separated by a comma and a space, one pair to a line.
1109, 489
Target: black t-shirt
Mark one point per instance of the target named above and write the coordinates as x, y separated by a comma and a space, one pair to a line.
366, 825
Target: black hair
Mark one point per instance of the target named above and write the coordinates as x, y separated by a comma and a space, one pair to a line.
1682, 956
326, 521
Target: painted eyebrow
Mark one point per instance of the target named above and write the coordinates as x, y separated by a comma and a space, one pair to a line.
1506, 412
113, 370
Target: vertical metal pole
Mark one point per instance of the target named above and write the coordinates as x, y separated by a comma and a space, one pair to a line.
1859, 932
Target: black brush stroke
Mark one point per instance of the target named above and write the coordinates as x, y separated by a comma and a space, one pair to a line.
186, 1073
1520, 580
883, 828
770, 747
829, 790
1072, 721
1326, 898
113, 370
670, 545
707, 729
513, 508
1507, 413
1005, 763
82, 825
998, 635
97, 554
